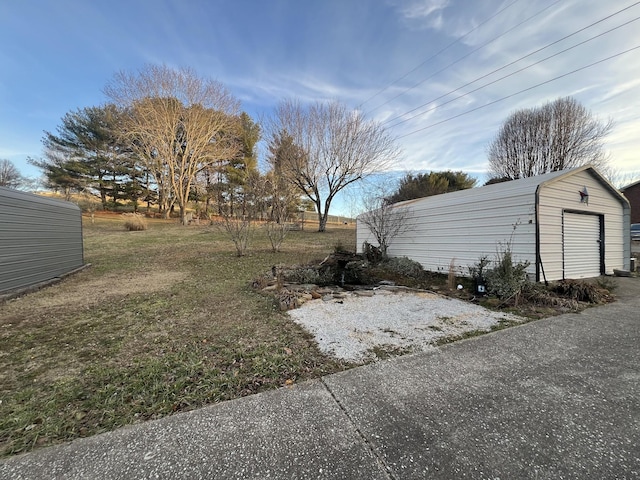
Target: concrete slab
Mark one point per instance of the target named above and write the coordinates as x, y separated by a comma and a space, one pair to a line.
297, 432
557, 398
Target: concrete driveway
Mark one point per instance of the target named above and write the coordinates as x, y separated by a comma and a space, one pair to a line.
555, 398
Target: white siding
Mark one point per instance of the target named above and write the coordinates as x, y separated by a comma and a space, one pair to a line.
563, 195
463, 226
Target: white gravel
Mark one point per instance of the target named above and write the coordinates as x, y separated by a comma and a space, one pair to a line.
349, 328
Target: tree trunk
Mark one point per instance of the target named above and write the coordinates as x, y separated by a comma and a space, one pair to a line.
322, 217
183, 214
103, 192
114, 192
322, 222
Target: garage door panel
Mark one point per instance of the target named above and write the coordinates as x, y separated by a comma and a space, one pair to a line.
582, 245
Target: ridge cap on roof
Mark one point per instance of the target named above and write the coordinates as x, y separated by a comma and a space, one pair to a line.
534, 181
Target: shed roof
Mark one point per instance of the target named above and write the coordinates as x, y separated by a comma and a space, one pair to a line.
522, 186
33, 198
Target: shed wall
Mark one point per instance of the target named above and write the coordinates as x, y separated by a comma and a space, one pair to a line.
462, 228
562, 196
40, 239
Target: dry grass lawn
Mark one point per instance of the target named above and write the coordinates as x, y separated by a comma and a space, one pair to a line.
163, 321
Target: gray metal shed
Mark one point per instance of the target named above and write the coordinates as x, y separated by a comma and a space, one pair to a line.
568, 224
40, 239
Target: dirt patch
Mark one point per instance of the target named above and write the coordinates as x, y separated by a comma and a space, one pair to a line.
81, 291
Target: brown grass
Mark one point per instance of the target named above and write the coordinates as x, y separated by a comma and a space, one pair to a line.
163, 321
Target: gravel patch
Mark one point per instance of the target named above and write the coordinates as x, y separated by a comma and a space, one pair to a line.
350, 327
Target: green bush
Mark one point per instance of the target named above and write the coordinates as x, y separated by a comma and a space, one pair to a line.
507, 279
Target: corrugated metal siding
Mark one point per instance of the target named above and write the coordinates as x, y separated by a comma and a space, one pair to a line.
40, 239
464, 226
581, 245
471, 223
563, 195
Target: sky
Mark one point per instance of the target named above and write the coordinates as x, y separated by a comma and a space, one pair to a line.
440, 75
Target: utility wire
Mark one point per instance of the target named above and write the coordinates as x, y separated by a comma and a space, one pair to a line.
438, 53
465, 56
519, 92
510, 64
497, 79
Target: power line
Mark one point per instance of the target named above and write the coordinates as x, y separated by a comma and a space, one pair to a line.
438, 53
465, 56
519, 92
508, 65
498, 79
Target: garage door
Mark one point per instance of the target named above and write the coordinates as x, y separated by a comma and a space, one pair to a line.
582, 245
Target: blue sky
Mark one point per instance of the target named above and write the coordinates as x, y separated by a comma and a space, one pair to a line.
385, 57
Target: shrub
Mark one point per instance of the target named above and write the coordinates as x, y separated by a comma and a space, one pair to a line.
478, 271
239, 230
372, 253
507, 279
276, 232
403, 266
135, 223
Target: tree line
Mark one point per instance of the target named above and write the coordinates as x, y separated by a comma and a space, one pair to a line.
170, 138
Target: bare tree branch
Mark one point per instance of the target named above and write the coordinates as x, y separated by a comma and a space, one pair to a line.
384, 220
178, 123
10, 176
338, 147
559, 135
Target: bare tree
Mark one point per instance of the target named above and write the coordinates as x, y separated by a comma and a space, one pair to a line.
9, 175
559, 135
384, 220
239, 223
337, 148
178, 124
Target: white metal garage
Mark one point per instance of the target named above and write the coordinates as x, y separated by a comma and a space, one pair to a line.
567, 224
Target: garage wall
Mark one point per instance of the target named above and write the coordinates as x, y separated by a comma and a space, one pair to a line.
562, 195
472, 223
466, 225
40, 239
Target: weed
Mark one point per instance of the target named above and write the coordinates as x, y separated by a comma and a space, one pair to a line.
451, 277
384, 352
135, 222
607, 283
463, 336
339, 247
580, 291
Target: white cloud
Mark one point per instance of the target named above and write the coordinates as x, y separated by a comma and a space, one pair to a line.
422, 13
